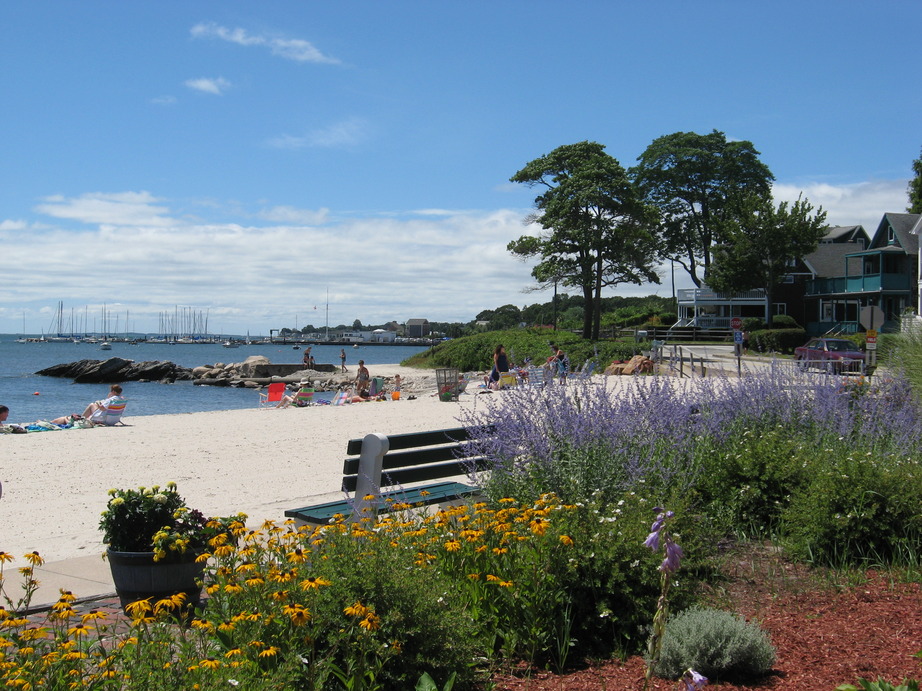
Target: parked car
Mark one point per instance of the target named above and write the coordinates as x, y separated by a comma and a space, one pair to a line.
831, 354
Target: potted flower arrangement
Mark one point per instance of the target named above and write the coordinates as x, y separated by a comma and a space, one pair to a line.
155, 543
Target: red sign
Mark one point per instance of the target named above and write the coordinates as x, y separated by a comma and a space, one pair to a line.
736, 323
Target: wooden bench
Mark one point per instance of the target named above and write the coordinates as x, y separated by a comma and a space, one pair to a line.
378, 461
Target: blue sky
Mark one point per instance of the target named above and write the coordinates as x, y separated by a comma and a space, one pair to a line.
243, 159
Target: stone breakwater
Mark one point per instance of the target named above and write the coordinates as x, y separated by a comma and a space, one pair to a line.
115, 370
254, 372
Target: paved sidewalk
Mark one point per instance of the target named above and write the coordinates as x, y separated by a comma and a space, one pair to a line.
87, 578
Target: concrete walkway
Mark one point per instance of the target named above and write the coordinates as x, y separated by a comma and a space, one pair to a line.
88, 578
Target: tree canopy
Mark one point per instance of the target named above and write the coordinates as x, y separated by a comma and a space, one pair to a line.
596, 228
760, 250
915, 188
693, 179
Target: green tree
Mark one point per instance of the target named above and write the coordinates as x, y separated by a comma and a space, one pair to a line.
761, 249
596, 229
915, 188
692, 179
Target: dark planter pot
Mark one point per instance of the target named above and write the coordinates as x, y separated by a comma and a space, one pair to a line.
138, 577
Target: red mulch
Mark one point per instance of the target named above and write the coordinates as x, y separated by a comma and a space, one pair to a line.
824, 634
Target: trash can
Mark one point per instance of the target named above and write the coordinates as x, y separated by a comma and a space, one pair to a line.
446, 382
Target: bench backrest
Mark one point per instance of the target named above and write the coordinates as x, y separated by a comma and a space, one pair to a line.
407, 458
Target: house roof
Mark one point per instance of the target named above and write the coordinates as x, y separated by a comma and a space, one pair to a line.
828, 260
846, 234
417, 322
902, 225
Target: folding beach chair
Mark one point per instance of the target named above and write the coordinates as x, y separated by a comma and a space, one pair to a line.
110, 415
272, 395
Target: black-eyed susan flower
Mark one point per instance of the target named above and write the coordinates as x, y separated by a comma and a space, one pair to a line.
298, 614
78, 630
371, 622
313, 583
356, 610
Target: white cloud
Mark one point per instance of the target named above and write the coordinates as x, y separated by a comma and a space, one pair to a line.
208, 85
290, 214
346, 133
144, 255
862, 203
120, 209
295, 49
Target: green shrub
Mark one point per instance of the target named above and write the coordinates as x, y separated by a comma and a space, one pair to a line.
777, 340
880, 685
717, 644
747, 484
784, 321
753, 324
856, 509
475, 353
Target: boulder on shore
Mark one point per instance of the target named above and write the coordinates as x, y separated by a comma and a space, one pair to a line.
116, 370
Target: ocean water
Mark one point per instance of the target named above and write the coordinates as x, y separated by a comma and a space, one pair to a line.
31, 397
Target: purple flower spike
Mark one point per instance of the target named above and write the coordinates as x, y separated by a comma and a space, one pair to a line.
673, 557
652, 540
694, 681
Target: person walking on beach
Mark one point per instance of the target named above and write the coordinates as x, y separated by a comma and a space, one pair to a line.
562, 363
500, 367
342, 359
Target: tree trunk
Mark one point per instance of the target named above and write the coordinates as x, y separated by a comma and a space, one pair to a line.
588, 309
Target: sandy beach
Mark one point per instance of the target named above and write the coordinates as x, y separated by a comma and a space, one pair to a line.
258, 461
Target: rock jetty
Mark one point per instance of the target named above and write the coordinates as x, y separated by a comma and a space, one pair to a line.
116, 370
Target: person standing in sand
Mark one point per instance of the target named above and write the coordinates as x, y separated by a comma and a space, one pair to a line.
342, 359
362, 380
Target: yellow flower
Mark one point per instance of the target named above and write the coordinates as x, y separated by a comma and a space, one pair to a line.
371, 622
5, 556
356, 610
539, 526
313, 583
210, 663
233, 652
271, 651
32, 633
34, 558
474, 576
93, 614
297, 555
298, 614
79, 630
566, 540
452, 546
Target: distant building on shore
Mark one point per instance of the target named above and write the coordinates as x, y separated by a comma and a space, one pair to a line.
417, 328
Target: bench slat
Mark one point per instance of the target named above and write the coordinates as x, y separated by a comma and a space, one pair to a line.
431, 494
402, 476
414, 457
412, 440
